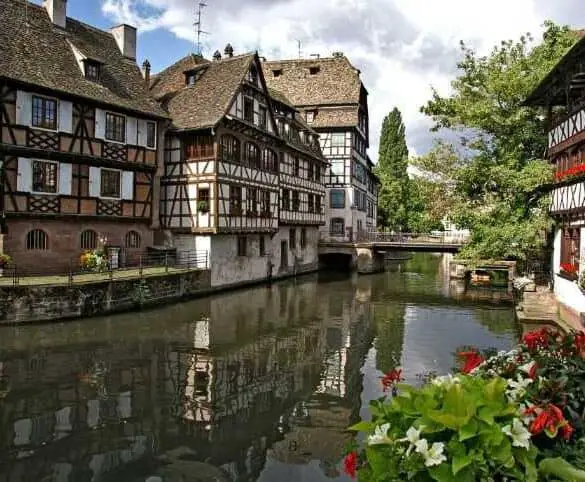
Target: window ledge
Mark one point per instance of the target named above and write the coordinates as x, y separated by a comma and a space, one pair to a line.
568, 276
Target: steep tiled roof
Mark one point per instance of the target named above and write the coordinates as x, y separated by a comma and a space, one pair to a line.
336, 117
335, 82
34, 51
207, 101
280, 97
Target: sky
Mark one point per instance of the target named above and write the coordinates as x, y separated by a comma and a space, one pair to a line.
402, 47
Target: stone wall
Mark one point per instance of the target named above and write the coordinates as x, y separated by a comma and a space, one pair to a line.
23, 304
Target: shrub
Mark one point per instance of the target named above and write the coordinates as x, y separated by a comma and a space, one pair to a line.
4, 260
95, 261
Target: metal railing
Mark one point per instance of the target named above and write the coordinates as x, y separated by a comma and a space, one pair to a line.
114, 268
443, 237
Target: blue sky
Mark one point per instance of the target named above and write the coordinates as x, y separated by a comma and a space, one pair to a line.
403, 48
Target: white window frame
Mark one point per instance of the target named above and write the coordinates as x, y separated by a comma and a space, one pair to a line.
100, 181
41, 193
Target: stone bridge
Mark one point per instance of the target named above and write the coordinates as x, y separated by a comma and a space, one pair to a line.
366, 253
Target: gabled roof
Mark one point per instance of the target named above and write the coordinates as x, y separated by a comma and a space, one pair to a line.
336, 82
35, 52
206, 102
336, 117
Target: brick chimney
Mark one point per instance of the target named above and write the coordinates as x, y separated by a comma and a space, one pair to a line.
57, 10
146, 72
125, 36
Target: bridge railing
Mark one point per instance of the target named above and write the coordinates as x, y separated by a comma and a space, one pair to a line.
438, 237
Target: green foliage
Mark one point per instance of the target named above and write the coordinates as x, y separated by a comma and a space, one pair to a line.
392, 171
95, 261
498, 188
452, 429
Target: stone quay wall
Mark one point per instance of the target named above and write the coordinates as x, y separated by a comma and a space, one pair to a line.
26, 304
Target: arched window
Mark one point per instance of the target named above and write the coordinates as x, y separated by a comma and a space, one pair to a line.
337, 226
230, 148
88, 239
132, 239
37, 239
269, 160
253, 155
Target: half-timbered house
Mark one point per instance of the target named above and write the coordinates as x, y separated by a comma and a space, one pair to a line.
79, 133
562, 94
221, 186
333, 101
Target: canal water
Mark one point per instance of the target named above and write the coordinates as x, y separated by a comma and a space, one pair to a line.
252, 385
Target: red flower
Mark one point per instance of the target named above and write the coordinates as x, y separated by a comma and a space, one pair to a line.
551, 419
350, 462
580, 342
539, 423
569, 268
536, 339
472, 360
567, 431
392, 377
532, 372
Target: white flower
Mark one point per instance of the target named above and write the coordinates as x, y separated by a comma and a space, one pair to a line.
380, 435
518, 433
527, 367
446, 381
412, 436
517, 388
432, 456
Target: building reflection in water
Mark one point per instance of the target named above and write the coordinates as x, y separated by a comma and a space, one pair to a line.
212, 387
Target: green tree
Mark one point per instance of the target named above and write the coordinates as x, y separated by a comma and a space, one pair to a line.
499, 185
392, 171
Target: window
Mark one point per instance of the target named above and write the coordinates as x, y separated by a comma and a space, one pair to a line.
296, 166
277, 73
285, 200
44, 113
338, 226
251, 201
92, 71
295, 201
265, 202
254, 75
570, 248
132, 240
338, 139
235, 200
253, 155
262, 246
269, 160
318, 172
88, 239
292, 238
318, 204
242, 245
311, 170
230, 148
110, 185
37, 239
150, 135
198, 147
248, 109
303, 238
337, 198
115, 127
44, 176
310, 116
311, 203
262, 117
314, 70
203, 200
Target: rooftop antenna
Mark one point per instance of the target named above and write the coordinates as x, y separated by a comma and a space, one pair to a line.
199, 10
299, 44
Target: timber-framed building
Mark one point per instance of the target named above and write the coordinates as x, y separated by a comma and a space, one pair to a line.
79, 139
223, 189
334, 102
562, 94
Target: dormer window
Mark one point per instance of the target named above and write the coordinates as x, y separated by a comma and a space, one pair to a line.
314, 70
193, 76
190, 79
277, 73
310, 116
254, 75
92, 70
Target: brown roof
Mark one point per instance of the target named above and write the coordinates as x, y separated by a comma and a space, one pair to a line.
336, 82
336, 117
203, 104
34, 51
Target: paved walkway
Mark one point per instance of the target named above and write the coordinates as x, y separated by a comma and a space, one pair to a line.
539, 308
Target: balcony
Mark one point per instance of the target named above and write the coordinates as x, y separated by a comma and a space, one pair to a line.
569, 130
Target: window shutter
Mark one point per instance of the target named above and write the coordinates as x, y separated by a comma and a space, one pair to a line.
24, 182
141, 132
23, 108
94, 181
65, 179
66, 116
100, 124
131, 131
127, 185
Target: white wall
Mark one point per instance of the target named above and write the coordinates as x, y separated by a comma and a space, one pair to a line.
567, 292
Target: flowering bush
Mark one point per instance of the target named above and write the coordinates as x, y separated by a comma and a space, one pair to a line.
516, 415
94, 261
572, 171
4, 260
569, 268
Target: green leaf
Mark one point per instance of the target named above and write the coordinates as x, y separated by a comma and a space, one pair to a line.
362, 427
460, 462
442, 473
561, 469
447, 420
468, 431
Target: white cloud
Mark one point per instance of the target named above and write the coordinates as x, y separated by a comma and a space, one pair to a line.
402, 47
